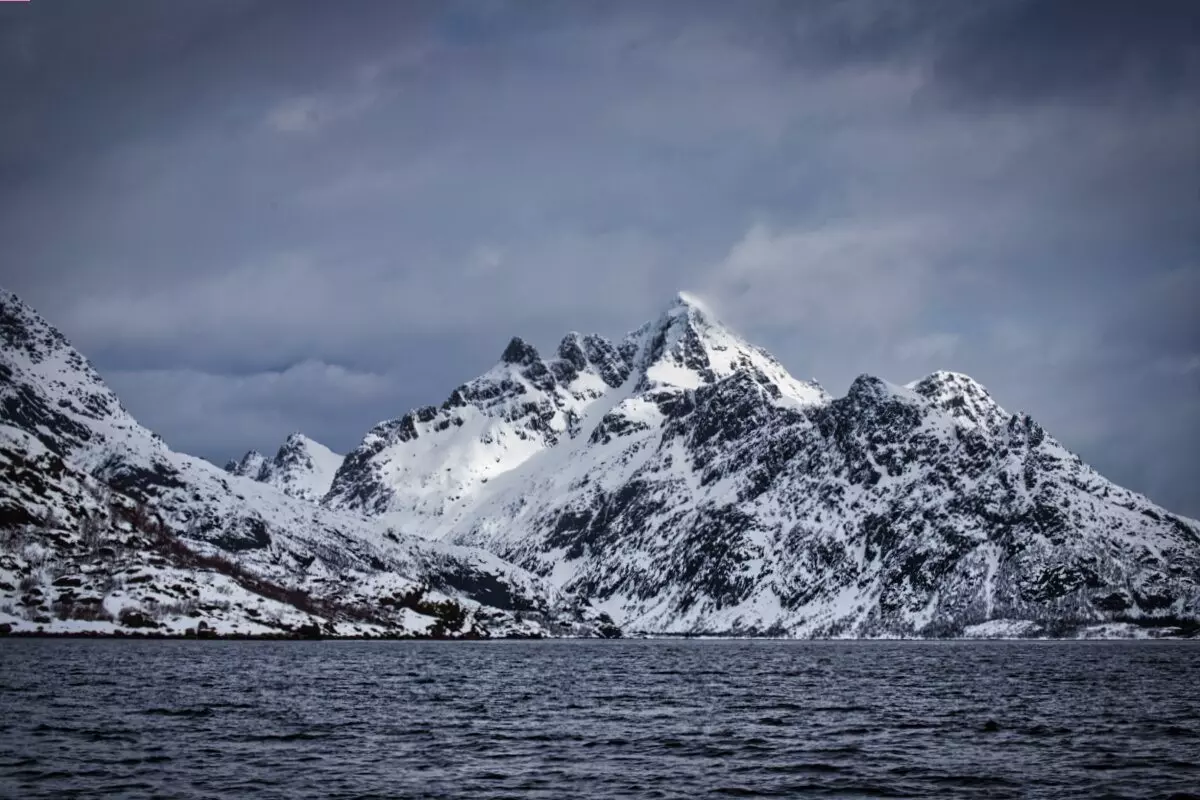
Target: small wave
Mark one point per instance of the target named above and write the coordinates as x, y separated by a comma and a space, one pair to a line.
133, 760
91, 734
801, 769
1045, 730
848, 749
841, 709
785, 707
43, 775
973, 780
190, 713
1178, 731
297, 736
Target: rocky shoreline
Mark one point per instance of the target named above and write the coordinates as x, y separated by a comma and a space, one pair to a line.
298, 635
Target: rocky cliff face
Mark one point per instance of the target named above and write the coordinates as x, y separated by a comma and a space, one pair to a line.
684, 482
99, 519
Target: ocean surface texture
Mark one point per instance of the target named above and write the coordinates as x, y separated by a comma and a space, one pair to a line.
633, 719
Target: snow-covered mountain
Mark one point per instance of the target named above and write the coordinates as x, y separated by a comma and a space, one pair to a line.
100, 520
302, 467
683, 481
679, 480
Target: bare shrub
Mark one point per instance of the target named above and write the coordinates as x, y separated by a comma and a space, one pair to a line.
91, 534
179, 608
36, 557
11, 540
90, 612
110, 583
141, 517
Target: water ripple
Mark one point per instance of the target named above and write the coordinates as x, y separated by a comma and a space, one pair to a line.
666, 719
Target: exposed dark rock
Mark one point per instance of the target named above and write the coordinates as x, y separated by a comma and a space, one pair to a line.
519, 352
131, 618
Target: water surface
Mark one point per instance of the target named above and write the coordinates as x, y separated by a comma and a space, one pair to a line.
652, 719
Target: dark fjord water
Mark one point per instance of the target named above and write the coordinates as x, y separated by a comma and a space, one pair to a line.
598, 719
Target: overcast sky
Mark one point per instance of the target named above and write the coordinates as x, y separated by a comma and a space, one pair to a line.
256, 217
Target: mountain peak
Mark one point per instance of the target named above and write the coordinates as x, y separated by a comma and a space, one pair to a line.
49, 386
945, 376
688, 347
963, 396
519, 352
687, 300
298, 442
689, 310
297, 439
302, 467
23, 329
249, 466
594, 352
573, 350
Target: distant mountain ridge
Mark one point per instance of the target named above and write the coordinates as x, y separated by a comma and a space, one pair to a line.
302, 467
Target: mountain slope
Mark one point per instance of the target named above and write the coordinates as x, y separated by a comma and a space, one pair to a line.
75, 461
692, 485
302, 467
425, 464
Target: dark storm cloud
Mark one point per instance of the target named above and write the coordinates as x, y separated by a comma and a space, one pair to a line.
115, 68
1101, 51
261, 216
